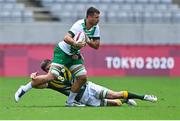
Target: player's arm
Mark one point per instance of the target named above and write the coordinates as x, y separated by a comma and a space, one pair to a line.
69, 39
41, 79
94, 43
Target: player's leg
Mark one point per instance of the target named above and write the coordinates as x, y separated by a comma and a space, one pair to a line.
128, 95
80, 73
91, 93
61, 59
111, 102
118, 102
39, 81
122, 94
25, 88
80, 80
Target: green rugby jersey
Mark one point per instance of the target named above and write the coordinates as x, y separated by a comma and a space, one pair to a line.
79, 26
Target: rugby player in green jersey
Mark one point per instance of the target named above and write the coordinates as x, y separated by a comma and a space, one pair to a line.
90, 94
67, 53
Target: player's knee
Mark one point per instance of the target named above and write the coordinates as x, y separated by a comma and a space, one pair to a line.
79, 82
103, 94
78, 70
82, 78
34, 83
55, 70
80, 73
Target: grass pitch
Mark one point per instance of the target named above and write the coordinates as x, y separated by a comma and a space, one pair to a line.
49, 105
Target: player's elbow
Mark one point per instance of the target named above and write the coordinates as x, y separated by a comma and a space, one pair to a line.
66, 38
96, 47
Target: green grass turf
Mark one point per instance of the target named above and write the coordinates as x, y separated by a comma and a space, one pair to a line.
48, 105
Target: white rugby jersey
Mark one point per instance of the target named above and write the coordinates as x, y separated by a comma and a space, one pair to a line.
92, 33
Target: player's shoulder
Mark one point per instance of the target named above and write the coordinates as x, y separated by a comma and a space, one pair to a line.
80, 21
97, 26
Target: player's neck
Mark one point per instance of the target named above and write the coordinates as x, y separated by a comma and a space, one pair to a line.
88, 24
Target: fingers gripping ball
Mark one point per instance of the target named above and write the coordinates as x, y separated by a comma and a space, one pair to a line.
80, 37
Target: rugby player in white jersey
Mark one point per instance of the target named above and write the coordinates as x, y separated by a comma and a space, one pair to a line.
67, 53
70, 47
90, 94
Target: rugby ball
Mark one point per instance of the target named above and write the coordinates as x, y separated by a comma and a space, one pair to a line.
80, 37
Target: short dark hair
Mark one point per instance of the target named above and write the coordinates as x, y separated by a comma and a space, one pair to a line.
44, 64
91, 11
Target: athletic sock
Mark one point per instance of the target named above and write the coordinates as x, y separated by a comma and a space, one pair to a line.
135, 96
27, 87
124, 101
71, 97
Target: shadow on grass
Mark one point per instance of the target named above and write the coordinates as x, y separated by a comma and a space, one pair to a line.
58, 106
40, 106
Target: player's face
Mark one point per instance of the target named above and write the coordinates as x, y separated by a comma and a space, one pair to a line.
47, 68
94, 19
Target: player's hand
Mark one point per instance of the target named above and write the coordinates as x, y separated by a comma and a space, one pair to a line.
87, 39
33, 75
79, 45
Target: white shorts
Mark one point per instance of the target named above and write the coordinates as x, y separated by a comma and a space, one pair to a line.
91, 94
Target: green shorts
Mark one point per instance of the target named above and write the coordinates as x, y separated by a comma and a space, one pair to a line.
60, 57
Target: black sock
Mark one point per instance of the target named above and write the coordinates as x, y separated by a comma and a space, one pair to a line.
135, 96
124, 101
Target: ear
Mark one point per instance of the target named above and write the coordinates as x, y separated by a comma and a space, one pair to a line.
89, 16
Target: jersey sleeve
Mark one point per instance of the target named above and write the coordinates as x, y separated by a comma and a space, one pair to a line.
97, 33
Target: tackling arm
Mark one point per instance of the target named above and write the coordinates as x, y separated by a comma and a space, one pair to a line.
41, 79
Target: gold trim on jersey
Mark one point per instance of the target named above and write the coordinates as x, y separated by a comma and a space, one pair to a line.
58, 85
60, 82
